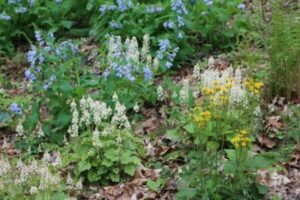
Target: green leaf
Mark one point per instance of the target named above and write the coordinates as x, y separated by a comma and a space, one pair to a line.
114, 177
190, 128
156, 185
84, 166
58, 196
186, 193
260, 161
66, 23
130, 169
262, 189
112, 154
173, 134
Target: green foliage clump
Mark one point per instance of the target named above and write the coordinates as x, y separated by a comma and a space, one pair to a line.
284, 51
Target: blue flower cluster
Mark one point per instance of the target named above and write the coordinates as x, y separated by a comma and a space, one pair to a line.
5, 16
11, 2
36, 56
178, 7
165, 49
147, 73
14, 108
209, 2
104, 8
115, 25
241, 6
58, 1
124, 71
21, 10
150, 9
123, 62
29, 75
124, 5
164, 45
169, 24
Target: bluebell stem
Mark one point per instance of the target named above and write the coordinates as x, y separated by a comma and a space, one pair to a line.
209, 2
14, 108
124, 5
29, 75
241, 6
178, 7
169, 24
38, 37
180, 35
153, 9
180, 21
21, 10
31, 2
58, 1
147, 73
115, 25
5, 16
32, 56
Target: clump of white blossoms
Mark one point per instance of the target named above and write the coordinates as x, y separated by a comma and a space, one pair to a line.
4, 166
73, 129
119, 118
20, 129
31, 177
127, 60
229, 79
95, 115
160, 93
196, 72
184, 93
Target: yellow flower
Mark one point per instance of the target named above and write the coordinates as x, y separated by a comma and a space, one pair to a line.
240, 140
202, 118
253, 86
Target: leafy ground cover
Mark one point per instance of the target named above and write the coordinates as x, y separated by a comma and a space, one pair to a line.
128, 99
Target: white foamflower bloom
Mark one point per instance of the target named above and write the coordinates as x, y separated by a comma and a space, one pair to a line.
136, 108
237, 95
40, 132
73, 129
96, 138
196, 72
184, 93
211, 61
20, 129
4, 166
160, 93
119, 118
33, 190
146, 46
155, 63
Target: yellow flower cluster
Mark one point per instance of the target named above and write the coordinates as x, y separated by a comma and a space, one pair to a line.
241, 140
201, 118
253, 86
218, 93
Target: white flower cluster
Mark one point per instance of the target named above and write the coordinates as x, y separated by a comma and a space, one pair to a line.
73, 129
160, 93
184, 93
22, 174
237, 92
92, 113
72, 185
130, 50
4, 166
196, 72
20, 129
119, 118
